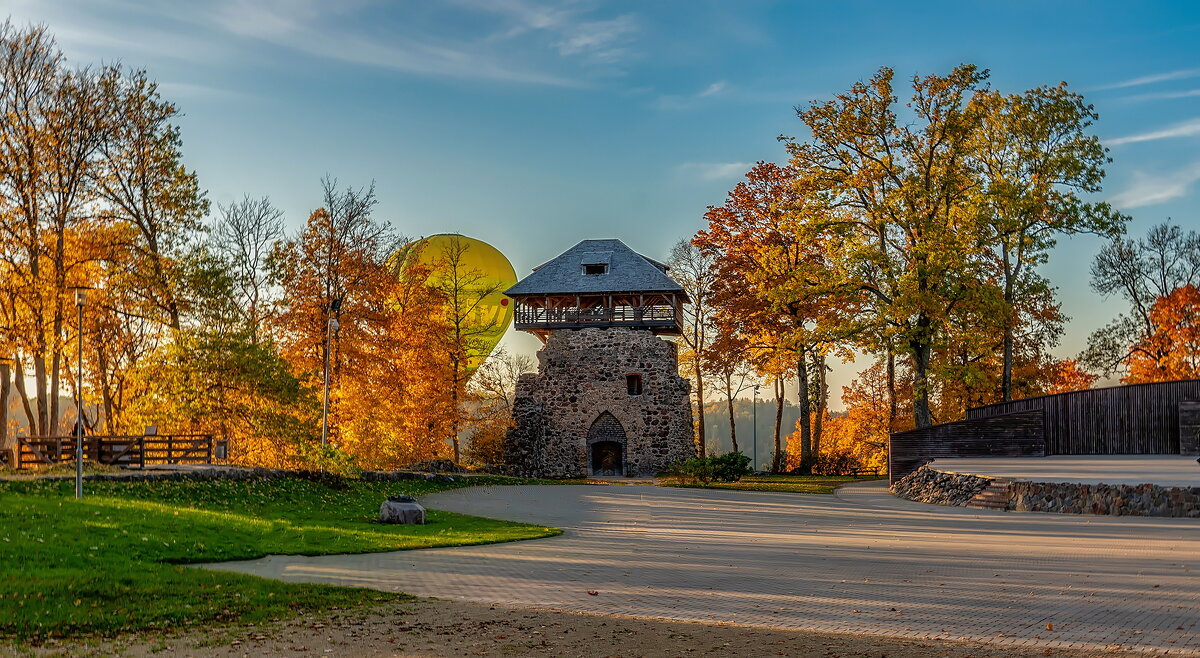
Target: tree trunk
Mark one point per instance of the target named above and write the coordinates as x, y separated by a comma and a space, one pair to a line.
822, 405
891, 387
454, 413
806, 456
700, 447
1006, 374
39, 382
55, 383
777, 460
732, 419
19, 379
106, 396
921, 354
60, 281
1006, 368
6, 450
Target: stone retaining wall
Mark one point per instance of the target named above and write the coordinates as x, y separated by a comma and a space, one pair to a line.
927, 485
1118, 500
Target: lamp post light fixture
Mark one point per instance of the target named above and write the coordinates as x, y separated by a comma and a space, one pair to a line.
80, 301
754, 426
335, 307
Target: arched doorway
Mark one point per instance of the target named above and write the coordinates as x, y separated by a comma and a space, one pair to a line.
606, 446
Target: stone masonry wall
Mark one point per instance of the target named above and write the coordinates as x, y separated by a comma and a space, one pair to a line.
928, 485
581, 375
1113, 499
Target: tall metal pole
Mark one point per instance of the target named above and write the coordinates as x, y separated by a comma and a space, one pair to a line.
754, 427
80, 297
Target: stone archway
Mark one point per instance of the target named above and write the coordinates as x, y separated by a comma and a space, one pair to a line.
606, 446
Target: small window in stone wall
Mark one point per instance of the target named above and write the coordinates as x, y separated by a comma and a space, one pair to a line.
633, 383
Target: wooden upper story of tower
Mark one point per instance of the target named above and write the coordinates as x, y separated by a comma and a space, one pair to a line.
598, 283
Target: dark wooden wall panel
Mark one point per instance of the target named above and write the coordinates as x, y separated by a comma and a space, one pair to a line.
1189, 428
1140, 419
1015, 434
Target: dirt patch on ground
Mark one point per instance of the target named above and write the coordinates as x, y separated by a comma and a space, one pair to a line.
430, 627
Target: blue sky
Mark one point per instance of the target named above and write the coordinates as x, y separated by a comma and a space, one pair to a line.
533, 125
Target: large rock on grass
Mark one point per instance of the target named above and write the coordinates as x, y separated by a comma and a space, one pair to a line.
401, 509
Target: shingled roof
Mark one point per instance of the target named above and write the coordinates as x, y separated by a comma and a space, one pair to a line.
627, 271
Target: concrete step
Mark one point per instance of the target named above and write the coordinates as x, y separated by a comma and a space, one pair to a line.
994, 496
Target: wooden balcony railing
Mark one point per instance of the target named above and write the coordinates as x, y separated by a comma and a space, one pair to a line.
528, 316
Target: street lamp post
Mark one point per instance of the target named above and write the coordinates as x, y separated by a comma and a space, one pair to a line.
335, 306
80, 300
754, 426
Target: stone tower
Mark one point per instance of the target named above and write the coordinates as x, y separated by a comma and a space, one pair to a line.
607, 398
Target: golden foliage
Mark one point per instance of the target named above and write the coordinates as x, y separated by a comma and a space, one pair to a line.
389, 402
1172, 351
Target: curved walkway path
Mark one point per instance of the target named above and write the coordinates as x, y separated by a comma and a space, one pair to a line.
858, 562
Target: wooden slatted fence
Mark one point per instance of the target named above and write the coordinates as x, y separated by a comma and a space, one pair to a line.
1016, 434
131, 451
1138, 419
1160, 418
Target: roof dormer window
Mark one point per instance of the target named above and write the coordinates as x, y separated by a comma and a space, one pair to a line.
595, 269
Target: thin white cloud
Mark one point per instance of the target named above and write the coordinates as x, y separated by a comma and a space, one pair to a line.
1186, 129
1148, 190
689, 101
712, 90
714, 171
1151, 79
519, 41
1160, 96
305, 28
572, 33
188, 90
600, 40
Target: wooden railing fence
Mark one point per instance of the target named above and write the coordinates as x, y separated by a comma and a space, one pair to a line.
117, 450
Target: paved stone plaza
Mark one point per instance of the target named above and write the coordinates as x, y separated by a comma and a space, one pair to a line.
859, 562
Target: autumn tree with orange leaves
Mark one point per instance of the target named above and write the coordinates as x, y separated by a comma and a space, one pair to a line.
694, 270
1068, 376
95, 195
388, 402
1172, 351
915, 239
940, 220
1034, 157
772, 287
856, 439
1143, 271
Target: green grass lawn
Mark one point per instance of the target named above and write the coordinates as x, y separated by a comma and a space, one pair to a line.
113, 562
812, 484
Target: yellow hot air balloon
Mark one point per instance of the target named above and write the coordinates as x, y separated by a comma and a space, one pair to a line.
481, 274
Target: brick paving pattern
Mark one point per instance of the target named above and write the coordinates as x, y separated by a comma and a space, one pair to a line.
859, 562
